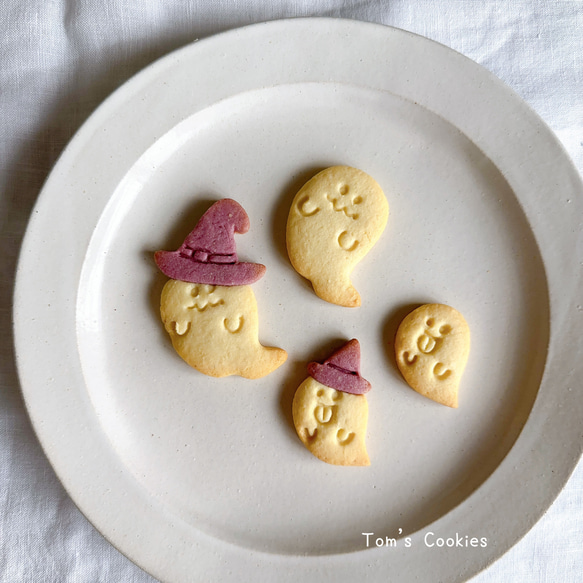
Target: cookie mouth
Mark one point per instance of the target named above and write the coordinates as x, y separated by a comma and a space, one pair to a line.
340, 208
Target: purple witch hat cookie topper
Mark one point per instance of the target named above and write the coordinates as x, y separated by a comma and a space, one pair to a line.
341, 371
208, 255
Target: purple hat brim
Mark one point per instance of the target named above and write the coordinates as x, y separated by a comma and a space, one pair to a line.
338, 379
175, 266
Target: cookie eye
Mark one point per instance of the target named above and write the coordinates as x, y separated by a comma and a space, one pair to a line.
430, 322
357, 200
320, 393
445, 330
336, 395
344, 189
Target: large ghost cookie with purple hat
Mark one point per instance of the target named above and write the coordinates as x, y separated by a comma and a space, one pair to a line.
208, 307
330, 409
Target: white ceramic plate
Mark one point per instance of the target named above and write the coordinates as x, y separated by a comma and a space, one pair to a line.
200, 479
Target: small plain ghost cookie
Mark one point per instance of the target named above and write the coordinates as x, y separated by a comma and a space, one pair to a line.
334, 221
208, 307
330, 409
432, 346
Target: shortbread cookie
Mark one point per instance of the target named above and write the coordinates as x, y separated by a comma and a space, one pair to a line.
334, 221
208, 308
432, 346
330, 410
215, 329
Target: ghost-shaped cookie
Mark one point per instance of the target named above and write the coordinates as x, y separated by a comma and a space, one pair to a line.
330, 409
334, 221
208, 307
432, 347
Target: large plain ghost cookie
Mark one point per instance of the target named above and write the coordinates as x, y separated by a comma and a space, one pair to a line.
334, 221
208, 307
432, 346
330, 410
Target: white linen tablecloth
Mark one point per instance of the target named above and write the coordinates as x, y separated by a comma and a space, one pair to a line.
59, 59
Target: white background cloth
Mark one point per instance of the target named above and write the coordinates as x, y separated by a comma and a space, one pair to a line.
59, 59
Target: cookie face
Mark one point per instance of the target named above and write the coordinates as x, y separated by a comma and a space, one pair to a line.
334, 221
432, 346
215, 329
331, 424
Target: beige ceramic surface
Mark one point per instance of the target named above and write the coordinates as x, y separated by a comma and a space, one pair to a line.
200, 479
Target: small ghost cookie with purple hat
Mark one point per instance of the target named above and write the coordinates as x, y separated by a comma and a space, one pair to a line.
330, 409
208, 307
